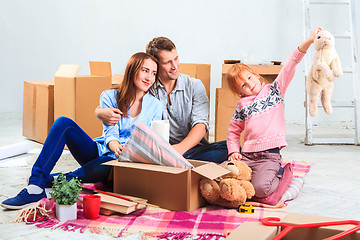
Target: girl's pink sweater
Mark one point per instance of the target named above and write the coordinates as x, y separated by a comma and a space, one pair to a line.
263, 114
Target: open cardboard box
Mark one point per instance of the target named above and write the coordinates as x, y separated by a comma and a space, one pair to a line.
171, 188
77, 96
257, 231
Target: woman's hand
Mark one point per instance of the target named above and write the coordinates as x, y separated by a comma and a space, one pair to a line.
235, 156
116, 147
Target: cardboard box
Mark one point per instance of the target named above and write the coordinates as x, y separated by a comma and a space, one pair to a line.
77, 96
38, 109
199, 71
118, 205
268, 72
225, 104
116, 80
171, 188
257, 231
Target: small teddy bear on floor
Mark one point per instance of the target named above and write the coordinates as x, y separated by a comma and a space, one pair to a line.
233, 189
326, 66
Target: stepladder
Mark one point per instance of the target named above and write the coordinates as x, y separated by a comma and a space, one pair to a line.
348, 99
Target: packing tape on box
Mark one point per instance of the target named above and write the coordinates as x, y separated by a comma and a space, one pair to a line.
14, 149
161, 127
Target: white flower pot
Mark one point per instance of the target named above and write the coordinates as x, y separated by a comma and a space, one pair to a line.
66, 212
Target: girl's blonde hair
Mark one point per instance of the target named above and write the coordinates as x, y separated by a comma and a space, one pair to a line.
234, 73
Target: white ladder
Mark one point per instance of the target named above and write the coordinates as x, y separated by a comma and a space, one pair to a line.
354, 70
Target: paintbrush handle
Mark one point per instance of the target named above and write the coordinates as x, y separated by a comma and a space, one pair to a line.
125, 198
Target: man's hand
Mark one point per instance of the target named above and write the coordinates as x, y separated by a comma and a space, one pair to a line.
180, 148
192, 139
235, 156
110, 116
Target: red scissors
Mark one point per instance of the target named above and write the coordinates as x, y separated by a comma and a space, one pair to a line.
274, 221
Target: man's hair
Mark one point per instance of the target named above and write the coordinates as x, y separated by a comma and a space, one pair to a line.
158, 44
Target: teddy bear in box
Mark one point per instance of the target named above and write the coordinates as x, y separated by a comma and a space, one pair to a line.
233, 189
326, 66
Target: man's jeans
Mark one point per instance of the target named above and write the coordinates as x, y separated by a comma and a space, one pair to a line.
82, 147
213, 152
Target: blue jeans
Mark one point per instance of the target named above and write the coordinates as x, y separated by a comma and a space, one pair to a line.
216, 152
82, 147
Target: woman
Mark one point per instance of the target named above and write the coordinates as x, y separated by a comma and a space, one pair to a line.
135, 104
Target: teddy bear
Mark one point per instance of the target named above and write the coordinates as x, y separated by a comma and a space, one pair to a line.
326, 66
233, 188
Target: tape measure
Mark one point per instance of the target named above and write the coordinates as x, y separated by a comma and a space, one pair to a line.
245, 208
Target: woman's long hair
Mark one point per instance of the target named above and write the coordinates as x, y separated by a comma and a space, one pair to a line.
126, 92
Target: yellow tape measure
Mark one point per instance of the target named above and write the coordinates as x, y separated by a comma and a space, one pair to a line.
245, 208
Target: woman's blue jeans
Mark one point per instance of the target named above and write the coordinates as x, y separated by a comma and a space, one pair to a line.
82, 147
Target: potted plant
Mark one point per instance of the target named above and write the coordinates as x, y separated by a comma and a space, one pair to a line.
66, 194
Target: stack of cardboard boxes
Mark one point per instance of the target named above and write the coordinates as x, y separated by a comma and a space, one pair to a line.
70, 95
226, 100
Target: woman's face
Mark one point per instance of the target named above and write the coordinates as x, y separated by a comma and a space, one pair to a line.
146, 76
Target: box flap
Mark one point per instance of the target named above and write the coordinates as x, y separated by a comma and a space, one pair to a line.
67, 70
253, 231
211, 170
100, 68
145, 166
119, 201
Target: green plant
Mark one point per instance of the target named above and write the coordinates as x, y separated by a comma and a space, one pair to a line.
65, 192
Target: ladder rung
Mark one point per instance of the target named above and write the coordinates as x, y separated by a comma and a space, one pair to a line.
346, 34
340, 104
329, 1
347, 69
333, 141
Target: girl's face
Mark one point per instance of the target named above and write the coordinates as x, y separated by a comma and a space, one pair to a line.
251, 84
146, 76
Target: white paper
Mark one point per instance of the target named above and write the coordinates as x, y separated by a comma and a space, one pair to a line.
14, 150
13, 162
162, 127
38, 150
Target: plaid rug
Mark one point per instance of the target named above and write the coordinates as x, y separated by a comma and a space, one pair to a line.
300, 168
204, 223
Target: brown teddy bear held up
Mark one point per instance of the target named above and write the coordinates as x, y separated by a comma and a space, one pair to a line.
233, 189
325, 67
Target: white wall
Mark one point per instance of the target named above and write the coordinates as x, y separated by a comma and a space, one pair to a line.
39, 35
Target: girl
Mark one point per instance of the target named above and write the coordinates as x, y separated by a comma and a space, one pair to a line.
261, 110
136, 104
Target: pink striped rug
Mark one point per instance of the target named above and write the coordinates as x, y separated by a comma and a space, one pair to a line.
204, 223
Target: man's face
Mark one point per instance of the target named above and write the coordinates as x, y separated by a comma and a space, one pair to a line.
168, 65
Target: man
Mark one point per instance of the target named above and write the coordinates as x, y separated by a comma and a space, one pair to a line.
186, 106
